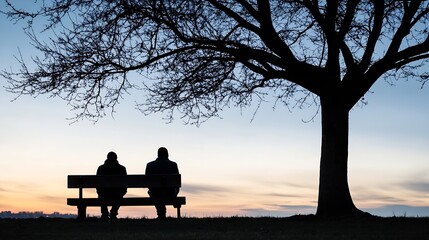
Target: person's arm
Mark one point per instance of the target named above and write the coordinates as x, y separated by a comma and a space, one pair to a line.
176, 169
124, 190
147, 171
98, 173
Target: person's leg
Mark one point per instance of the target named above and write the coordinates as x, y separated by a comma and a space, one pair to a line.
115, 208
104, 212
103, 208
114, 211
161, 211
165, 194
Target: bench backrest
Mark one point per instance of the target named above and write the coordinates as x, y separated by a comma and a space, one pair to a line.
123, 181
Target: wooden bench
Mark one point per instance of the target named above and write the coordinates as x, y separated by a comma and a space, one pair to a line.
123, 181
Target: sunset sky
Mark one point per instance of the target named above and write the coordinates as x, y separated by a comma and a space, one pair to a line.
231, 166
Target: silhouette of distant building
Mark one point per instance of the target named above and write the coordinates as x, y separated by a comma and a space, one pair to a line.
37, 214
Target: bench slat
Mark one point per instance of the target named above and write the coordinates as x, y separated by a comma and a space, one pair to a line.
144, 201
123, 181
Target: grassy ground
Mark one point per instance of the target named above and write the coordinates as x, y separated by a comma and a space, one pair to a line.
298, 227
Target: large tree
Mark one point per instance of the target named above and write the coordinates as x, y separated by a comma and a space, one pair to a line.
196, 57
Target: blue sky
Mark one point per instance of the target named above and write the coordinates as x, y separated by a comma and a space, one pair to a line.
230, 166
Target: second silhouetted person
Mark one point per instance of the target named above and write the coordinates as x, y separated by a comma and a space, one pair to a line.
162, 165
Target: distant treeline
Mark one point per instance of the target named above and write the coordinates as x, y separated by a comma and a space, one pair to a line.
25, 214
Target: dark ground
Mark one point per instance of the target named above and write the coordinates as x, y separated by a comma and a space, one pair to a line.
297, 227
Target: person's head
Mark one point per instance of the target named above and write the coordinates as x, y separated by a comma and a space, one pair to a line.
162, 152
112, 156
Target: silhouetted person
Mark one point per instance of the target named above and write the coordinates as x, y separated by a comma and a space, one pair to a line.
162, 165
111, 167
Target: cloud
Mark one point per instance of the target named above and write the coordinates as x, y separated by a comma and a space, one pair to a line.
287, 185
371, 196
18, 187
199, 189
418, 186
283, 195
203, 188
4, 206
50, 198
296, 207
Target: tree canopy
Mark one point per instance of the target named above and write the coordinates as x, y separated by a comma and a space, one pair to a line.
205, 55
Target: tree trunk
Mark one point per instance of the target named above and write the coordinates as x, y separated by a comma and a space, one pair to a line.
334, 194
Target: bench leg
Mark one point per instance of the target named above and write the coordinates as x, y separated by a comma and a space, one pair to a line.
178, 212
81, 212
